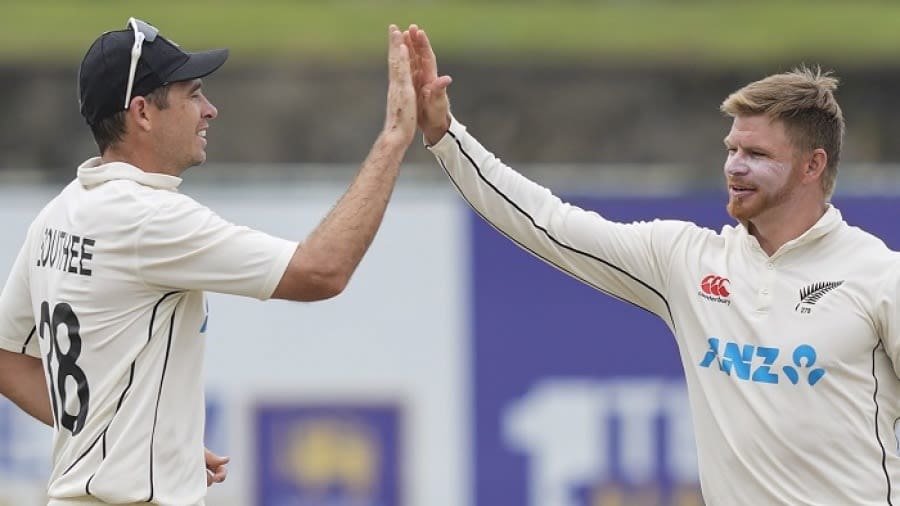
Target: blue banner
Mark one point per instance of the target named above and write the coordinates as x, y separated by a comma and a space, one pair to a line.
328, 455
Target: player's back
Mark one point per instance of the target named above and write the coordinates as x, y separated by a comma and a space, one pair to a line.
123, 356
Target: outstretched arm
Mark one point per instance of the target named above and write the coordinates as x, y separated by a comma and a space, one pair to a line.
628, 261
322, 265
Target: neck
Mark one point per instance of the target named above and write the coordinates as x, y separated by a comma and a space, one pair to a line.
775, 227
138, 158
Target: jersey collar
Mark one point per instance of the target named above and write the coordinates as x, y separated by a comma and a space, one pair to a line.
829, 221
93, 172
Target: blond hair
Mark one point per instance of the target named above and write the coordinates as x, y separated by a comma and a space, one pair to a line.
803, 99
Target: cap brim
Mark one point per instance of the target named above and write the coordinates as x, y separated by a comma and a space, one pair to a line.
200, 64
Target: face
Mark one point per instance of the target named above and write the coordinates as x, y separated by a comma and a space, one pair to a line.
760, 168
181, 136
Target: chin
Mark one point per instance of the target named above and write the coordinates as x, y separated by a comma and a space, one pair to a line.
199, 159
742, 210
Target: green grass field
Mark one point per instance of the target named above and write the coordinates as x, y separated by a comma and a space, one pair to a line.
731, 32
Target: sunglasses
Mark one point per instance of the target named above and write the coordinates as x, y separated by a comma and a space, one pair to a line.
142, 32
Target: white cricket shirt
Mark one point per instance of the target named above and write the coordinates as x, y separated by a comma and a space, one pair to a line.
108, 291
791, 360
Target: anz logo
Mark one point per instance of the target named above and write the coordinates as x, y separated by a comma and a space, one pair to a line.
761, 364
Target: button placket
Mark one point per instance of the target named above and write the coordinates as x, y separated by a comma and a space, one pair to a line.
767, 282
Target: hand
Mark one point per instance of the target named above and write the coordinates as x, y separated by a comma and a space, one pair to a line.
400, 121
431, 90
216, 472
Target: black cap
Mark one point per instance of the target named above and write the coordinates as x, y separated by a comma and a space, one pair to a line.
103, 76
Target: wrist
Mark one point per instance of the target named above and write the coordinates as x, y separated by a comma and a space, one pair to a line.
393, 140
434, 133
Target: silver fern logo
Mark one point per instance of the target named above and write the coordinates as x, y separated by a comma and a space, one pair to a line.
811, 294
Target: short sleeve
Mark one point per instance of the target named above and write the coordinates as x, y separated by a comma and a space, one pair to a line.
184, 245
17, 328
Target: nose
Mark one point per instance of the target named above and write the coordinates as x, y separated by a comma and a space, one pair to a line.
209, 110
735, 165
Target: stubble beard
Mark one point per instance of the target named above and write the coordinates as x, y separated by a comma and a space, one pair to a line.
741, 210
746, 208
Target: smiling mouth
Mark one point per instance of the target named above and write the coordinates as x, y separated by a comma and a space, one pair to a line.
740, 189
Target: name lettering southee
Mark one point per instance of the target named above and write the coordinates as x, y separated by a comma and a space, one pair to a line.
65, 252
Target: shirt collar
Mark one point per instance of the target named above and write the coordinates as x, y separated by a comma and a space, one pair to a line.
94, 171
829, 221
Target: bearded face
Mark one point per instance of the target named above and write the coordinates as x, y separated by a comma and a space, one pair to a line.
759, 170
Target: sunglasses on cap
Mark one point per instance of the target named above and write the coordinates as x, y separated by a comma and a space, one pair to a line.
142, 32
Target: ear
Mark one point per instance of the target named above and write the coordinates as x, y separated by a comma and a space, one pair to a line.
140, 113
815, 165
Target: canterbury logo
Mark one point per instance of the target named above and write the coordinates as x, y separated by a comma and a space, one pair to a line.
715, 285
811, 294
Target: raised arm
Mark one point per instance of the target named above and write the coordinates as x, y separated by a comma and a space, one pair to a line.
322, 264
628, 261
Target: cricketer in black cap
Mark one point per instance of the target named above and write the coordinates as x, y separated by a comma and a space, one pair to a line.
105, 70
127, 397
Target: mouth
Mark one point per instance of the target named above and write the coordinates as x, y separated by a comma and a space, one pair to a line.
202, 135
739, 190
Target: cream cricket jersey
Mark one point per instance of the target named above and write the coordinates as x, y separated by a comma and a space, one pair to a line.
791, 360
108, 291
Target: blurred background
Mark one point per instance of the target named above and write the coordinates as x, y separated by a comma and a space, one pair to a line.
456, 369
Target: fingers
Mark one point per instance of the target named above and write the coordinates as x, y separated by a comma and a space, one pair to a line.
432, 103
400, 120
424, 64
424, 54
214, 461
438, 86
216, 471
216, 476
413, 60
398, 56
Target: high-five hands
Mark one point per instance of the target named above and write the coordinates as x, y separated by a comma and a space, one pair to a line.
431, 90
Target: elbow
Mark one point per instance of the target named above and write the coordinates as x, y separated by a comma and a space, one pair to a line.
312, 277
329, 285
322, 279
310, 285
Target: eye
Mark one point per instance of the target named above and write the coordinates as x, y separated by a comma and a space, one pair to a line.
731, 151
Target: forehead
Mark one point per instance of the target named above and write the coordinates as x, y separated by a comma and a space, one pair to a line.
757, 129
